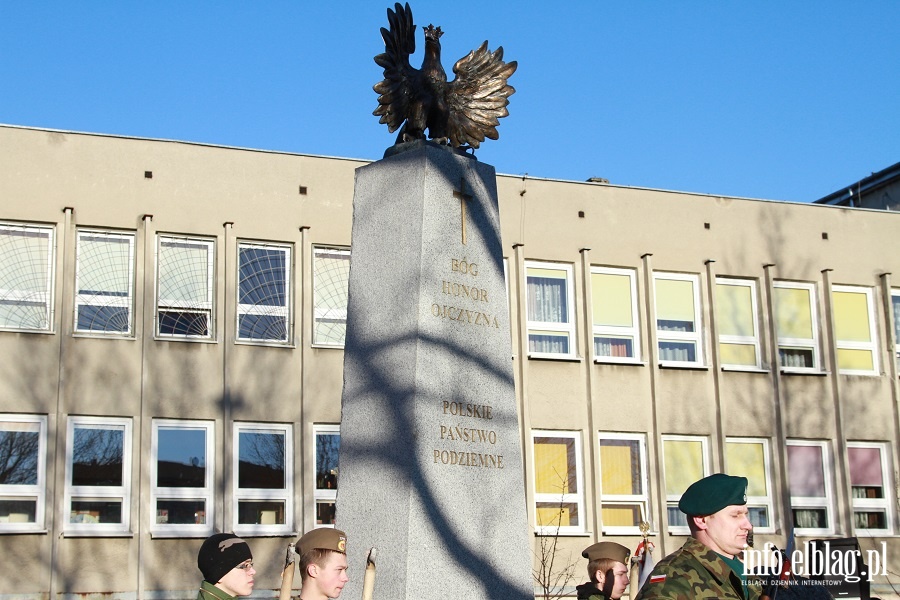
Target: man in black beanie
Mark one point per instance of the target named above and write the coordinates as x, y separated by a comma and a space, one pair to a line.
227, 566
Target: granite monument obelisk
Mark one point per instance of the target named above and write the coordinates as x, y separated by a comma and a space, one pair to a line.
430, 458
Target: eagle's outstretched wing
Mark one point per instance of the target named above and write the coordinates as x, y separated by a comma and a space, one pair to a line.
396, 89
478, 96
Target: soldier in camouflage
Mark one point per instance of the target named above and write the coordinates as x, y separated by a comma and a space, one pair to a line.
709, 564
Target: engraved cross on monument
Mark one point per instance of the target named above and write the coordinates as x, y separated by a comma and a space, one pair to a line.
463, 198
430, 459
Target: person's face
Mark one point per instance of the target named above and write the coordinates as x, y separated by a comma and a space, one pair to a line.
332, 576
727, 530
614, 581
239, 580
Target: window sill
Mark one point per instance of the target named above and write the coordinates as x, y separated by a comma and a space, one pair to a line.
128, 337
24, 531
683, 366
281, 534
265, 344
552, 357
627, 363
734, 369
806, 373
571, 534
98, 534
635, 533
327, 346
168, 535
190, 340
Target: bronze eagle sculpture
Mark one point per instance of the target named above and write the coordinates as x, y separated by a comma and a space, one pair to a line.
462, 112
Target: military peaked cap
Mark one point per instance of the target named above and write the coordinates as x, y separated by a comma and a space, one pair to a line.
323, 538
611, 550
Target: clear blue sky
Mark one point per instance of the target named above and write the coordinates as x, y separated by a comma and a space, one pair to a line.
780, 100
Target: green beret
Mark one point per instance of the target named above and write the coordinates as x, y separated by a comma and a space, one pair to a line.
324, 538
611, 550
712, 494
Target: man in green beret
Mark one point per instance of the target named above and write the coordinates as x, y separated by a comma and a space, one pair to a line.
607, 570
323, 563
709, 564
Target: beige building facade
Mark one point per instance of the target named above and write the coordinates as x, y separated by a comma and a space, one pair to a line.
171, 322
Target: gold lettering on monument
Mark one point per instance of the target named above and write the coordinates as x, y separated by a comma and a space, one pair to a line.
457, 433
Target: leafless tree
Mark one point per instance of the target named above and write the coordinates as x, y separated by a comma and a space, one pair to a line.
554, 573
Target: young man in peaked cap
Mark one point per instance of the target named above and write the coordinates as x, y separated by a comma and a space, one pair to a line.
709, 564
607, 571
323, 563
227, 566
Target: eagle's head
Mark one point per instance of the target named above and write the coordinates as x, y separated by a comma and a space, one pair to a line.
433, 34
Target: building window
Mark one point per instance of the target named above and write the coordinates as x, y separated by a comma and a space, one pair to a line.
26, 277
854, 330
104, 282
795, 322
736, 322
895, 307
809, 479
328, 443
870, 484
678, 319
98, 475
264, 292
624, 495
331, 280
614, 296
181, 470
686, 460
558, 489
550, 309
23, 451
263, 474
185, 287
749, 457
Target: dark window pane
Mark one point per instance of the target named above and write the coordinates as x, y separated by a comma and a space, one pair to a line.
262, 327
811, 518
327, 446
96, 511
759, 516
176, 322
610, 346
261, 513
102, 318
181, 512
263, 277
261, 460
181, 457
18, 511
97, 456
875, 519
18, 457
325, 513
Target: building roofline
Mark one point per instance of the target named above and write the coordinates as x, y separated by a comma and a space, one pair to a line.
865, 185
893, 171
183, 142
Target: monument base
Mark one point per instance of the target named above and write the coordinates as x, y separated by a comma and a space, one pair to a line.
430, 458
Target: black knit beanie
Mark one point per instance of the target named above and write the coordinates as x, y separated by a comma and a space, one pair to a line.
221, 553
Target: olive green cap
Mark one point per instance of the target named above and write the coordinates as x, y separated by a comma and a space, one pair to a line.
324, 538
712, 494
610, 550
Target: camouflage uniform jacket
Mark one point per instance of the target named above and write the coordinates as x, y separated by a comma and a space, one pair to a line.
695, 571
210, 592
